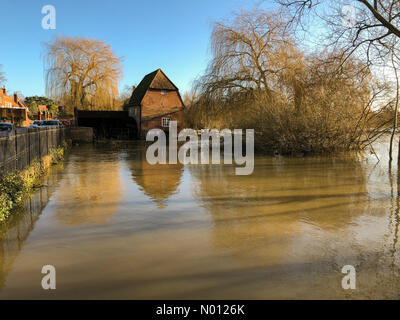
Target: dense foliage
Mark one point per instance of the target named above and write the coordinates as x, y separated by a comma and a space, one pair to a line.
34, 101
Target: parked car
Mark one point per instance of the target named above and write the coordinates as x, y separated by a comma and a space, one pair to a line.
46, 124
36, 124
51, 124
6, 127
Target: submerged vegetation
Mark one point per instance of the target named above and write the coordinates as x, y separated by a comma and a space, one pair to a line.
14, 187
297, 101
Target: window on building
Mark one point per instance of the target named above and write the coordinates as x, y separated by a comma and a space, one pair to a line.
163, 92
165, 122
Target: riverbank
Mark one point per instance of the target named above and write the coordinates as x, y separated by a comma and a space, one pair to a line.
16, 186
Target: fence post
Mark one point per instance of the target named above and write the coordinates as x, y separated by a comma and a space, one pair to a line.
16, 149
29, 147
38, 135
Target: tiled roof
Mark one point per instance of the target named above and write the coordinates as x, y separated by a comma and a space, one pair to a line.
42, 108
156, 80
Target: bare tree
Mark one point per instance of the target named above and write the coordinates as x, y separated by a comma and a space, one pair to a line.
370, 29
382, 16
126, 93
2, 76
82, 73
250, 53
396, 107
189, 98
296, 101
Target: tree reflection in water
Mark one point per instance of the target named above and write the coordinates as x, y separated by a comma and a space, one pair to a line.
299, 221
16, 230
201, 231
94, 194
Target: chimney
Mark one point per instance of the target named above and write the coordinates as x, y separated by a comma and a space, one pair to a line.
15, 98
4, 90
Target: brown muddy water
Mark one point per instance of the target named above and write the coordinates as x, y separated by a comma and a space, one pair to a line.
116, 227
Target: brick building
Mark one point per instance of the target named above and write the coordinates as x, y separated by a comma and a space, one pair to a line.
43, 113
12, 109
155, 102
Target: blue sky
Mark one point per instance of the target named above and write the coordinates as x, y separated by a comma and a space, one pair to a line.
173, 35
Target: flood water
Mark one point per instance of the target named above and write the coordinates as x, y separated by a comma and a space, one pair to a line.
116, 227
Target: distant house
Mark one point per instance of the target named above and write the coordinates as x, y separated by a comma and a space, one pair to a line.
43, 113
155, 102
12, 109
42, 108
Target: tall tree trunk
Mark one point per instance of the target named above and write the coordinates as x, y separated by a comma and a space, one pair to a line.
395, 119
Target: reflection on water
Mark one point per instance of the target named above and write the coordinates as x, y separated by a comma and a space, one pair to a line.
158, 181
116, 227
93, 193
18, 227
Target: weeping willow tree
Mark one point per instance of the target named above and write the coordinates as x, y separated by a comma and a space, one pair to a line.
250, 53
82, 73
296, 101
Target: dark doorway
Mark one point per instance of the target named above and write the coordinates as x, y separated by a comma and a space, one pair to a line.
108, 124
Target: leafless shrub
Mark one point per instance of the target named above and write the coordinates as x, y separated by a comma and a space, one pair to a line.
296, 102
